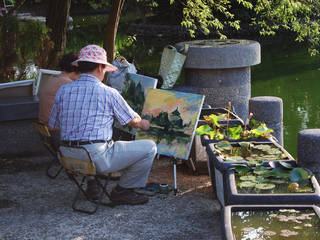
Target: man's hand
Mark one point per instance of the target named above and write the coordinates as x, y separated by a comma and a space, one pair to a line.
137, 122
144, 124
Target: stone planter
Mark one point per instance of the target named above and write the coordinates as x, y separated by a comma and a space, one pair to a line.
220, 69
227, 227
232, 196
221, 165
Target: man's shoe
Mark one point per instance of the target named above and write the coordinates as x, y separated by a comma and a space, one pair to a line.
127, 196
93, 190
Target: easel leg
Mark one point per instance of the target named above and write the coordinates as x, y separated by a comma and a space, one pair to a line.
175, 176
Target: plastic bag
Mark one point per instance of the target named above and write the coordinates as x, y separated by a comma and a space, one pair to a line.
116, 79
170, 67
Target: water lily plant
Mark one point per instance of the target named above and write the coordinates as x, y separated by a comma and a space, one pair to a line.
280, 177
252, 153
217, 131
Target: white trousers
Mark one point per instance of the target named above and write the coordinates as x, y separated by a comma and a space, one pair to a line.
132, 158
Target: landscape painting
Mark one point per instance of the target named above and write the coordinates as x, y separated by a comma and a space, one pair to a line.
173, 119
134, 90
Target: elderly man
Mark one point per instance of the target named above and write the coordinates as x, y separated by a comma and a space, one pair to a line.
84, 111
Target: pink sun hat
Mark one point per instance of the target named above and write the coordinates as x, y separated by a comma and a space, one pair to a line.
95, 54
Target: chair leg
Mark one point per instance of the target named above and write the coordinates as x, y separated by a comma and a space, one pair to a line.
80, 184
51, 164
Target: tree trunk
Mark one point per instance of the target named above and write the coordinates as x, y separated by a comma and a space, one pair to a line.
57, 21
111, 29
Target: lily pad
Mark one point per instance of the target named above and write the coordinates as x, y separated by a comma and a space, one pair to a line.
234, 159
254, 162
298, 175
242, 169
247, 184
261, 171
245, 144
224, 145
248, 178
265, 186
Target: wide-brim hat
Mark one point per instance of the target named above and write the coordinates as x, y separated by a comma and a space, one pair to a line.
95, 54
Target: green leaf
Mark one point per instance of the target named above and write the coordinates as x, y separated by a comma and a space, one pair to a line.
265, 186
203, 130
298, 174
286, 165
235, 132
261, 170
245, 144
254, 162
234, 159
224, 145
248, 178
247, 184
241, 169
279, 173
213, 119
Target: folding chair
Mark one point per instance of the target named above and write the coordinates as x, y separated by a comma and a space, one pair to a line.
46, 140
79, 170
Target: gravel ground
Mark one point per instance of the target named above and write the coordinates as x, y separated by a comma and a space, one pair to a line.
32, 206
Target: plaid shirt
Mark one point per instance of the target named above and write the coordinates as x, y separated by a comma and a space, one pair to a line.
84, 110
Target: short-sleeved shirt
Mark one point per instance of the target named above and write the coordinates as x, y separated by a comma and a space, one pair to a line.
47, 94
84, 110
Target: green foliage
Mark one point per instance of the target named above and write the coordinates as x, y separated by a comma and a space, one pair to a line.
22, 44
254, 153
280, 180
31, 36
258, 130
298, 175
298, 16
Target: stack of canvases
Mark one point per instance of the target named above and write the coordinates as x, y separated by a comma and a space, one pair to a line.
264, 192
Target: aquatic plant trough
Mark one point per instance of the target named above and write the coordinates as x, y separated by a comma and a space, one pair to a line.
273, 222
278, 185
219, 166
226, 154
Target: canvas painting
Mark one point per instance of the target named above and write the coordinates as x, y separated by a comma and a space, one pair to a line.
134, 90
43, 78
173, 119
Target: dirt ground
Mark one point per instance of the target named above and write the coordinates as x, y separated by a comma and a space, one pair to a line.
32, 206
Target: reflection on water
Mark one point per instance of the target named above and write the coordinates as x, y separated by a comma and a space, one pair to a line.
293, 224
294, 76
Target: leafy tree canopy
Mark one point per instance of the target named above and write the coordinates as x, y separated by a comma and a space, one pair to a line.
269, 16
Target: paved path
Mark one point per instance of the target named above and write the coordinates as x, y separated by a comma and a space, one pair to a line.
32, 206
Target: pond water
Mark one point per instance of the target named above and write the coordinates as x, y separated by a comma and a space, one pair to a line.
276, 224
293, 75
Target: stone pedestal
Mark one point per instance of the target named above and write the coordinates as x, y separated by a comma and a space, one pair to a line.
269, 110
220, 69
309, 150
